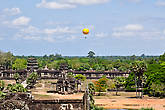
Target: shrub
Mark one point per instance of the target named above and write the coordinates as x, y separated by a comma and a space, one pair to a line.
2, 85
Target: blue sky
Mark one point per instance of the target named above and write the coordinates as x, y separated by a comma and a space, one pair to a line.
117, 27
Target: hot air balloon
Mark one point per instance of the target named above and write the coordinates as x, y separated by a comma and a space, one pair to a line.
85, 31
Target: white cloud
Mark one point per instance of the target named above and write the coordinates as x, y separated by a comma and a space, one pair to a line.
54, 5
26, 37
101, 35
160, 3
66, 4
137, 31
12, 11
134, 27
122, 34
86, 2
59, 30
49, 39
130, 27
73, 37
58, 34
151, 35
30, 29
29, 33
21, 21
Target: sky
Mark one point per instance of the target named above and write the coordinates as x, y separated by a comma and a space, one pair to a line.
117, 27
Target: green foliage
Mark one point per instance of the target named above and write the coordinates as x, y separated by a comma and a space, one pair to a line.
17, 77
101, 84
84, 67
162, 57
70, 74
138, 68
111, 84
80, 77
155, 77
146, 109
16, 88
119, 82
32, 78
130, 82
91, 54
91, 88
6, 59
41, 63
2, 85
53, 65
2, 95
157, 89
97, 108
19, 64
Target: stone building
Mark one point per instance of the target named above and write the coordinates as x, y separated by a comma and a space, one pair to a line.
66, 84
32, 64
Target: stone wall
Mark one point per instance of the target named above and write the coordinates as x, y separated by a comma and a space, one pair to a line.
23, 101
56, 104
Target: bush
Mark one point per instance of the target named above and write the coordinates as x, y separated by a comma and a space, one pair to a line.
80, 77
2, 95
101, 84
16, 88
17, 77
32, 78
2, 85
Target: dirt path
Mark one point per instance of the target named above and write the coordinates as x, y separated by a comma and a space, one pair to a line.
126, 100
157, 104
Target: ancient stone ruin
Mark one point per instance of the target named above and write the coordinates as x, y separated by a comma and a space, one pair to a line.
66, 84
32, 64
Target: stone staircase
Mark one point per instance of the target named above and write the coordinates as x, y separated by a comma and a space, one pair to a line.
24, 83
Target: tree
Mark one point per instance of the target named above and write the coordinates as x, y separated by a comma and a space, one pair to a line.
133, 57
138, 68
19, 64
91, 54
80, 77
158, 89
155, 79
6, 59
162, 57
119, 82
2, 85
130, 82
31, 80
70, 75
101, 84
17, 77
91, 88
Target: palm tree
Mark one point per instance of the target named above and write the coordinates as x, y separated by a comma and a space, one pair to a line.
91, 54
138, 68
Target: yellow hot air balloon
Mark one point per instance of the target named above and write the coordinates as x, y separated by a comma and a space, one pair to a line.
85, 31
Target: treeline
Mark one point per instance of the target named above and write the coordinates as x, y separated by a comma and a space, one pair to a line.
89, 62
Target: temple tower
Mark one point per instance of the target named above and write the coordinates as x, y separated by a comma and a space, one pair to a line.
32, 64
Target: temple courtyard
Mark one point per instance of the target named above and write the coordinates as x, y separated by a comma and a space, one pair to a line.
124, 100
